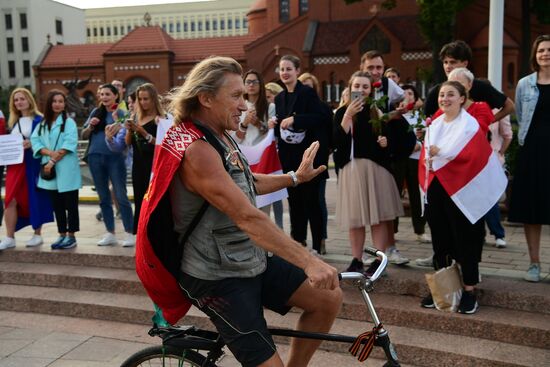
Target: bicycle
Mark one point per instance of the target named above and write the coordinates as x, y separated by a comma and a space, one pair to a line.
190, 346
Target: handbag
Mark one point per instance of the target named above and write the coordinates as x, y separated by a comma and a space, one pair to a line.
446, 287
47, 175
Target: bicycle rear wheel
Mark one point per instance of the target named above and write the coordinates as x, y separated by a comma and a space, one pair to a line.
159, 356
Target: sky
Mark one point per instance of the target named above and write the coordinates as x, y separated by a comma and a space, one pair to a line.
87, 4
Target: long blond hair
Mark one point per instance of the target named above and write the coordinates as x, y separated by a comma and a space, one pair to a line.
15, 115
205, 77
153, 94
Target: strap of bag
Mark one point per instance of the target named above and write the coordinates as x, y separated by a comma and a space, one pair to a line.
211, 139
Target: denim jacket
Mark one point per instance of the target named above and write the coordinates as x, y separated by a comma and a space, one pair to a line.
527, 95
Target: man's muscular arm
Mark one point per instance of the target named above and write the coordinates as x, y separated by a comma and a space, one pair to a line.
203, 173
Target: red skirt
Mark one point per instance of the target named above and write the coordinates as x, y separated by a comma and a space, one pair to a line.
16, 189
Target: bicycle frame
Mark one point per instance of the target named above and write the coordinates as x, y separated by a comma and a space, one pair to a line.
197, 339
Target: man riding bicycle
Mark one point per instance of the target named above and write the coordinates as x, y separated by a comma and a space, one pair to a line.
205, 183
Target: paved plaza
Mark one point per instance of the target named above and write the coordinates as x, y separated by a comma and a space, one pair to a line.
43, 340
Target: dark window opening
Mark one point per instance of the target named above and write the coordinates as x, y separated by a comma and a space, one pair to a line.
222, 24
8, 21
88, 33
11, 68
215, 25
108, 31
229, 23
237, 24
375, 39
284, 11
25, 44
59, 27
26, 68
95, 32
23, 20
9, 44
101, 31
304, 6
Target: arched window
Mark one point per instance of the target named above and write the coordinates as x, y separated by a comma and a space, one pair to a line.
375, 39
304, 6
284, 11
133, 83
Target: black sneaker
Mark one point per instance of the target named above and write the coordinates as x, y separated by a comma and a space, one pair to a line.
427, 302
356, 266
468, 303
372, 268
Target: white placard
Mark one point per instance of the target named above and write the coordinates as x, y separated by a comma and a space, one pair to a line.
11, 149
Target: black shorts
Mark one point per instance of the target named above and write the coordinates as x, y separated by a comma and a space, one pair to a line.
235, 306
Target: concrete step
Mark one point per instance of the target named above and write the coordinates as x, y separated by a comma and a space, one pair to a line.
417, 347
403, 280
511, 326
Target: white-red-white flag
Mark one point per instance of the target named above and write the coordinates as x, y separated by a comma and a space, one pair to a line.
466, 166
263, 158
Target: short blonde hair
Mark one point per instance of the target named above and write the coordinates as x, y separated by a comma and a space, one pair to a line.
313, 78
205, 77
15, 115
273, 88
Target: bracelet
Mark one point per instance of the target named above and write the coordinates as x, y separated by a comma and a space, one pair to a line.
242, 128
149, 138
52, 161
294, 178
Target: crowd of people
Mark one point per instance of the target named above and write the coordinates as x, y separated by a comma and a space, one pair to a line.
384, 138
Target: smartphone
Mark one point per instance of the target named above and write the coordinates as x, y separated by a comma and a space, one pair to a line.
356, 95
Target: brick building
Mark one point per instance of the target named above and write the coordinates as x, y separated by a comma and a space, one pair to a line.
328, 35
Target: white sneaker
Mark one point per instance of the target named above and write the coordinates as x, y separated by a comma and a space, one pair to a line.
395, 257
427, 262
6, 243
36, 240
500, 243
129, 240
423, 238
367, 259
108, 239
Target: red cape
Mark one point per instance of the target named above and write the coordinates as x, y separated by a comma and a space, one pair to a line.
158, 252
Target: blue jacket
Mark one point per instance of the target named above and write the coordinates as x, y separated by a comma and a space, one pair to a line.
67, 170
527, 95
40, 205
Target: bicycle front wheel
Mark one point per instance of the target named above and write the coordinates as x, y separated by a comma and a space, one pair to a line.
159, 356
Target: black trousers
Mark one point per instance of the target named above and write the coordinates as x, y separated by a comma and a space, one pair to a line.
453, 236
65, 207
399, 173
411, 177
305, 206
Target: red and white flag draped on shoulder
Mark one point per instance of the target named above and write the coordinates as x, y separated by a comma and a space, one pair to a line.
466, 166
158, 253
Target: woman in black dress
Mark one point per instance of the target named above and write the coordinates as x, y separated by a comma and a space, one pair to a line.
530, 201
298, 114
141, 132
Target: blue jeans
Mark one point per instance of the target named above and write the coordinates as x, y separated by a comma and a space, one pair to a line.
105, 168
493, 222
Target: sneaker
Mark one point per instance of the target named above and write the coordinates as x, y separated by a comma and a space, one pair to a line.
468, 303
356, 266
36, 240
533, 273
108, 239
57, 242
372, 268
427, 302
367, 259
395, 257
6, 243
130, 240
427, 262
68, 242
423, 238
500, 243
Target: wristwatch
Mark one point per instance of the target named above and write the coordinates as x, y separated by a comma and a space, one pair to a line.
294, 178
242, 128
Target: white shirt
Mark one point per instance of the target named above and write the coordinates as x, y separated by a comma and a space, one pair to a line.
26, 127
253, 136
